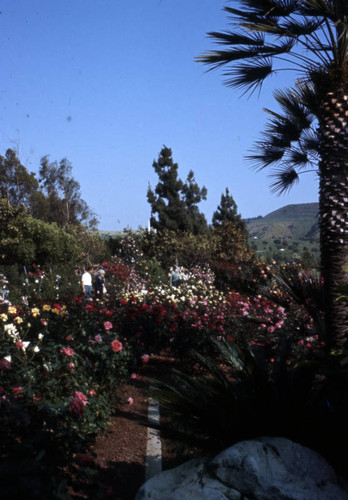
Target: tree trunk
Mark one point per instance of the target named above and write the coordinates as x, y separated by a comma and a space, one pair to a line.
333, 211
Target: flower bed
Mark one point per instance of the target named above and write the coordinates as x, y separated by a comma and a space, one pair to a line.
61, 364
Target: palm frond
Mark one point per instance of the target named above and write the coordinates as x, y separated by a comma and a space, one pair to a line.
317, 8
310, 142
289, 137
242, 47
270, 8
286, 128
265, 155
298, 158
300, 27
284, 180
249, 76
293, 107
306, 290
306, 93
234, 38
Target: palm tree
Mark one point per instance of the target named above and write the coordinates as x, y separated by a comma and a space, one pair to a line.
311, 38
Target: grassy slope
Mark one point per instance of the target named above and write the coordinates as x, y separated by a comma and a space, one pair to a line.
286, 232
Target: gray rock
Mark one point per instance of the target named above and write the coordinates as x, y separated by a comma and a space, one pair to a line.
264, 468
190, 480
277, 468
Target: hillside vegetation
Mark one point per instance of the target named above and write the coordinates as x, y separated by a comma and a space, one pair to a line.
286, 233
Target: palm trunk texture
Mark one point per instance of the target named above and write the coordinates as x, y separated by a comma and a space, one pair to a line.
333, 211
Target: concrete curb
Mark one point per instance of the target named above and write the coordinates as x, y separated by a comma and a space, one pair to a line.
153, 463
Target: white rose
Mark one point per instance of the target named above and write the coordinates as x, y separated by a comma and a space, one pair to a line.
25, 345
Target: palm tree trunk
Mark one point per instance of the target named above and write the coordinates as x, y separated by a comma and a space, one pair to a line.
333, 211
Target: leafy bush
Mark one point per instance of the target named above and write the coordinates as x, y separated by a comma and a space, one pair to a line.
34, 284
59, 370
242, 395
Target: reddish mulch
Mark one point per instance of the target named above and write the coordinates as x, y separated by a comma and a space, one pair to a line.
118, 468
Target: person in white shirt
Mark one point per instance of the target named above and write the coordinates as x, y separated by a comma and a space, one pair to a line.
86, 283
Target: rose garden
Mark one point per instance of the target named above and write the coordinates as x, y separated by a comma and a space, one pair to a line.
259, 346
256, 352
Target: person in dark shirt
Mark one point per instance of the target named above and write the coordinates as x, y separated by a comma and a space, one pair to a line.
100, 284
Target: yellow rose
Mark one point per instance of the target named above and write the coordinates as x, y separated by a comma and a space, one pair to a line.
18, 320
46, 307
12, 310
3, 317
35, 311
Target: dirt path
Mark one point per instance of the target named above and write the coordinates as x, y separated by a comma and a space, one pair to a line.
117, 466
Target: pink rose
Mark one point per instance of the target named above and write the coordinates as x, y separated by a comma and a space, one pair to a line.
130, 400
145, 358
92, 392
67, 351
76, 406
116, 346
107, 325
77, 403
71, 366
81, 396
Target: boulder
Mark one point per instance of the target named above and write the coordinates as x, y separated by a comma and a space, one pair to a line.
265, 468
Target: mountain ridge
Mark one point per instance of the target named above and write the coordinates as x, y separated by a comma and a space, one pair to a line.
293, 221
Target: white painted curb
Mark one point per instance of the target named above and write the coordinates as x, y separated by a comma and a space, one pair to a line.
153, 464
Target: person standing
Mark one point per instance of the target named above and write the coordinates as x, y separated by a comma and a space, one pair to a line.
100, 285
175, 278
86, 283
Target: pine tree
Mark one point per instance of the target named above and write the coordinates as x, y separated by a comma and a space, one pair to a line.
193, 195
227, 212
174, 203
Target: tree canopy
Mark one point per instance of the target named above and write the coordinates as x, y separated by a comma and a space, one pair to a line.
174, 204
227, 212
24, 240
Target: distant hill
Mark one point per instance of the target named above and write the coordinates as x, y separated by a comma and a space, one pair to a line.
298, 222
290, 233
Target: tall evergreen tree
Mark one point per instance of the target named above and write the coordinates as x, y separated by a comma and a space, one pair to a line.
166, 201
310, 37
193, 194
66, 207
16, 183
227, 212
174, 203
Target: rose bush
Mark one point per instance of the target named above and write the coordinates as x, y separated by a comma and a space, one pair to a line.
60, 369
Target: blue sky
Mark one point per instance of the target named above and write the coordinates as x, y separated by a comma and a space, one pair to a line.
107, 83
